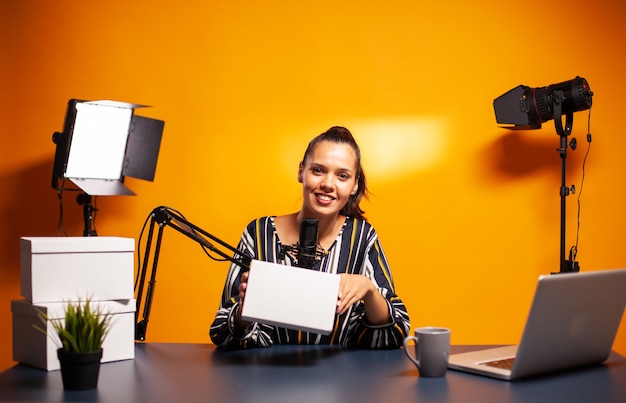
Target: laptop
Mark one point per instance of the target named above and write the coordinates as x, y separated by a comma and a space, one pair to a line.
573, 321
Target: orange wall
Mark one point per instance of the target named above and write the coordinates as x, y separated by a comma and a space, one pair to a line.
468, 213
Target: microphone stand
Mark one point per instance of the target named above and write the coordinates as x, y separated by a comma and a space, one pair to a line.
565, 266
162, 216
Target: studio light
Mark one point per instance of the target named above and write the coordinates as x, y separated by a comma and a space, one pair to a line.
525, 108
102, 142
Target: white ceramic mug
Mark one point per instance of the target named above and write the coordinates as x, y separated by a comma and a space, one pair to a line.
432, 349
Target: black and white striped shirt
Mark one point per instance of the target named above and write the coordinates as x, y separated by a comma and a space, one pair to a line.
357, 250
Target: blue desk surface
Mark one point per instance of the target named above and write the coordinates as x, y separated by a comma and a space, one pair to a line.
201, 373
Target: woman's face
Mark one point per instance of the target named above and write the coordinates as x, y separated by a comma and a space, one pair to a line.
328, 177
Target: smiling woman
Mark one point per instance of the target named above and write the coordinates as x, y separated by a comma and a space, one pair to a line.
369, 313
462, 205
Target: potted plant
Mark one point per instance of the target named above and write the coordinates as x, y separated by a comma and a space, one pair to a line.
81, 333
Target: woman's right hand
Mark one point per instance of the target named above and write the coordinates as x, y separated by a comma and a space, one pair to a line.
242, 286
242, 295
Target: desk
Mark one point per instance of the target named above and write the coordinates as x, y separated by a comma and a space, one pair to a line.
302, 374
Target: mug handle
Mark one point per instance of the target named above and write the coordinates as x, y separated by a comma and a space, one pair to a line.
407, 352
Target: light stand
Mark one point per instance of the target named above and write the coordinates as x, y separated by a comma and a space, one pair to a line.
83, 199
526, 108
566, 266
164, 216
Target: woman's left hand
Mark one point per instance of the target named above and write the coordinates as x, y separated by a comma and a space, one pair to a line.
356, 287
352, 289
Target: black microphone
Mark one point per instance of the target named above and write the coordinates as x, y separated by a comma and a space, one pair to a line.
307, 247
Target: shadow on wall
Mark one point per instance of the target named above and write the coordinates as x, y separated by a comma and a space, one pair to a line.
517, 154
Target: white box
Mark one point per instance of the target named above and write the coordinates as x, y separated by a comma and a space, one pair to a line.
291, 297
57, 269
32, 347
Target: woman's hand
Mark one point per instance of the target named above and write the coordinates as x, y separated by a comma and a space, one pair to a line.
243, 285
356, 287
352, 289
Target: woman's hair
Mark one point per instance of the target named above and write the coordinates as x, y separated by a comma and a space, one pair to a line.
341, 135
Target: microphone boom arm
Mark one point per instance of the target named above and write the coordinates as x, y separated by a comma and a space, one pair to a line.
161, 217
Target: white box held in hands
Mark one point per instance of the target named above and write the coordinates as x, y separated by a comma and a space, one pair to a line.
56, 269
291, 297
33, 347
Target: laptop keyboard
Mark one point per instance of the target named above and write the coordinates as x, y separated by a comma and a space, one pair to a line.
506, 363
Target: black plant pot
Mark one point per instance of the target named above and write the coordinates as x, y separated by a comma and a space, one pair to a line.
79, 371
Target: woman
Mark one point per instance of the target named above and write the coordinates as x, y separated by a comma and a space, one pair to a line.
370, 314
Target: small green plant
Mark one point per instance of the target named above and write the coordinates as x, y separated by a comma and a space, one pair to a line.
83, 329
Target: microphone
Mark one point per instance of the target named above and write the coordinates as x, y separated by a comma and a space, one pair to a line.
307, 246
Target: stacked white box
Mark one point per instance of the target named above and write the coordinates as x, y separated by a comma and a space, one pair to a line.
32, 347
56, 270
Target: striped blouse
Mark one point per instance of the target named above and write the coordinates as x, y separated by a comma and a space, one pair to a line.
357, 250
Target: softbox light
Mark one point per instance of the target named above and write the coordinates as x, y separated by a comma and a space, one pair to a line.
102, 142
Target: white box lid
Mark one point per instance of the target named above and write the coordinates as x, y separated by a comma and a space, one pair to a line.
78, 244
56, 310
